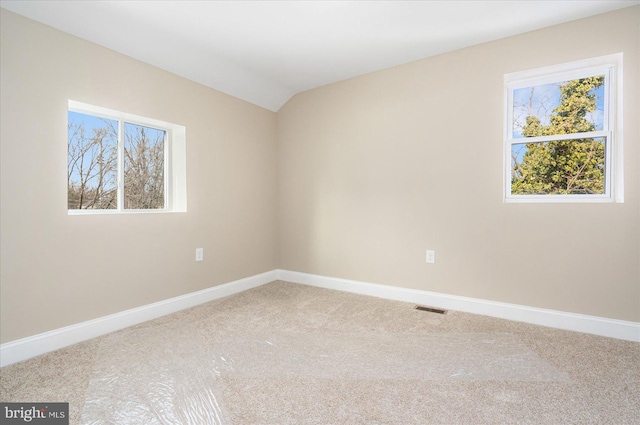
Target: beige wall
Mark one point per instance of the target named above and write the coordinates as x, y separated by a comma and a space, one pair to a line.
354, 180
377, 169
57, 269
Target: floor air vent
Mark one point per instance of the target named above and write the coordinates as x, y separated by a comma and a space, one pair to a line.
431, 309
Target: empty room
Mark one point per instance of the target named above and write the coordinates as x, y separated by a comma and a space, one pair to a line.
320, 212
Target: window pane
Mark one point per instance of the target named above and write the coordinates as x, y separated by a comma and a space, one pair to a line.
143, 167
566, 107
558, 167
92, 162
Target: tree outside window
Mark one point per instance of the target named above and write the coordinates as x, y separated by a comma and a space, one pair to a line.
559, 139
103, 152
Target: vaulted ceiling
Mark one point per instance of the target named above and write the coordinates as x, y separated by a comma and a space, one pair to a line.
267, 51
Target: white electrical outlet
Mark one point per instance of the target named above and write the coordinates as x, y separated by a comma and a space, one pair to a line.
199, 254
431, 256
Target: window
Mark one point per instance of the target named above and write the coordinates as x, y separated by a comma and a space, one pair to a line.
563, 142
119, 162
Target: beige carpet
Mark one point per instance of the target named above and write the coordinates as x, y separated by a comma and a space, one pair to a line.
293, 354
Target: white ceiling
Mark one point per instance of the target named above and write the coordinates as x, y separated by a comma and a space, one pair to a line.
267, 51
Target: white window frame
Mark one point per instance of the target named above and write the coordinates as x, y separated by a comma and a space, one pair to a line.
611, 67
175, 188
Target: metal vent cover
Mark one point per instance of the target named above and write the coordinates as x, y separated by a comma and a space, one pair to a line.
431, 309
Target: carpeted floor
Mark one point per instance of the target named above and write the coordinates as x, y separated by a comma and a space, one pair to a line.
292, 354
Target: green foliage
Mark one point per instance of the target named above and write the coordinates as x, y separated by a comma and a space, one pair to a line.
563, 167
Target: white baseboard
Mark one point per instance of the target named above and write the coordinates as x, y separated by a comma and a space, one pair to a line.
613, 328
32, 346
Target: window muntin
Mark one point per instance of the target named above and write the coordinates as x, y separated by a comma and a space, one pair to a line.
120, 162
559, 133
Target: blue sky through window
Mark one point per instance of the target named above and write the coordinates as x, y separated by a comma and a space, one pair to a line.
541, 100
92, 153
